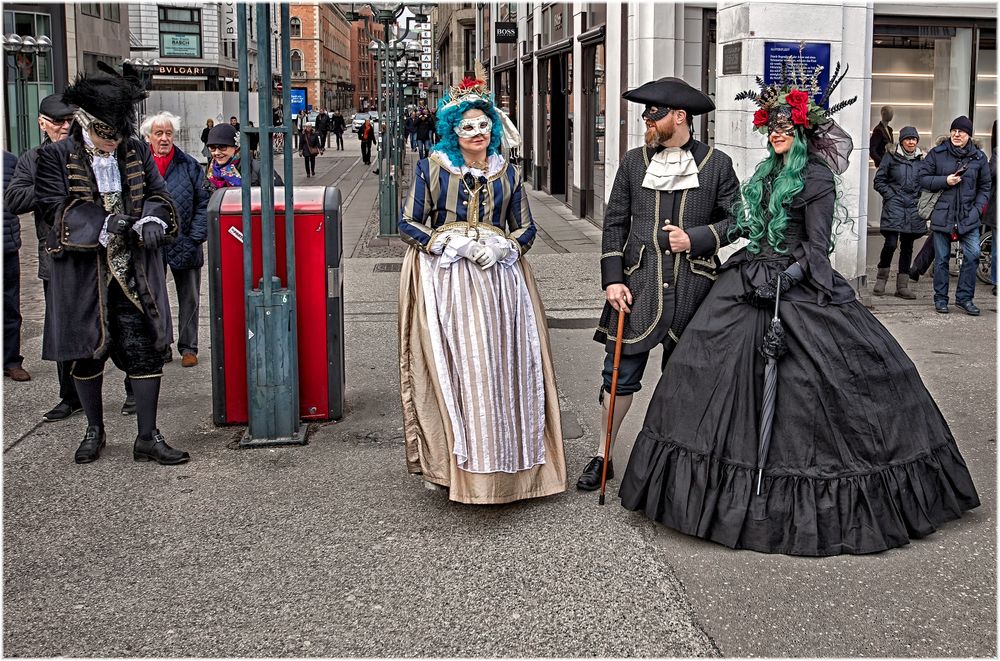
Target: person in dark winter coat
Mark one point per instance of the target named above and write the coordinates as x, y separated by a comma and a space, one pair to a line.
204, 140
309, 147
226, 168
185, 180
410, 130
110, 214
54, 119
338, 124
990, 215
12, 357
897, 181
424, 130
960, 170
322, 127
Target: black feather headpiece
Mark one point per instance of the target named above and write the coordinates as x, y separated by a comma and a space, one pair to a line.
110, 98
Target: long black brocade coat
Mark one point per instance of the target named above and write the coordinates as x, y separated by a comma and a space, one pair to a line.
76, 319
631, 254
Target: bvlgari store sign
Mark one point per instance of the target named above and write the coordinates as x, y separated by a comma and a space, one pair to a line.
184, 71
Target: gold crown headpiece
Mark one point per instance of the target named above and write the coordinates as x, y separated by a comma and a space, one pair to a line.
470, 89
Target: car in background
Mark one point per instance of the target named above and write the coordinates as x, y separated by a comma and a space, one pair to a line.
359, 119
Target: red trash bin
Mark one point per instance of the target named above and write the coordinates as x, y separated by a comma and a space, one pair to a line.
319, 299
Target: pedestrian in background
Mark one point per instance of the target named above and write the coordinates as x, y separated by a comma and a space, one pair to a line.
253, 142
234, 122
322, 127
410, 128
204, 140
228, 165
366, 134
309, 148
990, 216
12, 357
898, 182
424, 131
54, 119
960, 171
881, 140
338, 124
186, 185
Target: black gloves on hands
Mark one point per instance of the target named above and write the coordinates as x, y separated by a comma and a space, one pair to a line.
152, 235
763, 297
120, 224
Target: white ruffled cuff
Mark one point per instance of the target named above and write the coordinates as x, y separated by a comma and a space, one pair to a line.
142, 221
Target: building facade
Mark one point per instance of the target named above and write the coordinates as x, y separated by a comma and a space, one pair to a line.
320, 54
364, 64
563, 79
198, 73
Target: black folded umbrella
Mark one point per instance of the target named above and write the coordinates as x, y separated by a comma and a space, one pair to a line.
773, 347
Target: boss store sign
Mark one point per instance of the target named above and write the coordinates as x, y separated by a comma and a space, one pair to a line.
506, 33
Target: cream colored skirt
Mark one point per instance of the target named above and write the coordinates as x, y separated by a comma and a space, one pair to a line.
480, 406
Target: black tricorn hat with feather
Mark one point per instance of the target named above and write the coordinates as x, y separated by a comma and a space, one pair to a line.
109, 97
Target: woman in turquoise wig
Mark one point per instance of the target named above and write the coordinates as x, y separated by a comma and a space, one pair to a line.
813, 435
480, 405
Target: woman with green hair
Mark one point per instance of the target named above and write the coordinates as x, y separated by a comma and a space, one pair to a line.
859, 459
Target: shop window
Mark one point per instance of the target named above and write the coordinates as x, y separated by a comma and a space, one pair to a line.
295, 28
180, 32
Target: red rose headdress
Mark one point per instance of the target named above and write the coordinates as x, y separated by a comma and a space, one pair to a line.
792, 100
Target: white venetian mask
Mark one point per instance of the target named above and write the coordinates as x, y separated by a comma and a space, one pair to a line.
473, 126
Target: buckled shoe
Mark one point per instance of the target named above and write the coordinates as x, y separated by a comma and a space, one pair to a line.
90, 448
156, 449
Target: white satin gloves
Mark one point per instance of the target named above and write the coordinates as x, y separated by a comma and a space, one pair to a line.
486, 253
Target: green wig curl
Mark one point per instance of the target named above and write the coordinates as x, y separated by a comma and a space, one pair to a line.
785, 176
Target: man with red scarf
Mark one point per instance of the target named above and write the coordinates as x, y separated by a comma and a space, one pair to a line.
188, 187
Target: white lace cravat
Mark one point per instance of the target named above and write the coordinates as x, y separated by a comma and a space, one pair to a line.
671, 169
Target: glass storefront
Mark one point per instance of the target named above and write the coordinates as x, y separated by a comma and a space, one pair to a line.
28, 79
928, 74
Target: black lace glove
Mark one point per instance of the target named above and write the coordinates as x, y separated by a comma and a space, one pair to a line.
763, 297
120, 224
152, 235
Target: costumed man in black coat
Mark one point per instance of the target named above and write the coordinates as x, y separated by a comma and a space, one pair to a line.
109, 211
667, 217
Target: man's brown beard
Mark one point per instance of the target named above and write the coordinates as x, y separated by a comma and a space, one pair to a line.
656, 136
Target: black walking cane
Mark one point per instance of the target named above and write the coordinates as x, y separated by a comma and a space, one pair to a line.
611, 402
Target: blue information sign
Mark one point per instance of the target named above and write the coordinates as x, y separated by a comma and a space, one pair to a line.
775, 52
299, 95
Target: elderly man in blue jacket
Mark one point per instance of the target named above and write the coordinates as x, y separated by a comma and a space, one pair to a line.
188, 187
960, 171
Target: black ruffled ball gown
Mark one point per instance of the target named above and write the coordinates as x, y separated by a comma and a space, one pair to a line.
861, 459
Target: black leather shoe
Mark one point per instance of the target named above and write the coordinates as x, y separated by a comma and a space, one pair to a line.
90, 448
914, 275
128, 408
941, 306
590, 480
969, 307
156, 449
61, 411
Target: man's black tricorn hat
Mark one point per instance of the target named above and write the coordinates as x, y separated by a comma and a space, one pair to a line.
671, 93
109, 97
